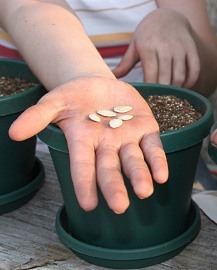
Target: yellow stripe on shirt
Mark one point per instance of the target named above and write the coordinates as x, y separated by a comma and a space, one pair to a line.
114, 39
4, 36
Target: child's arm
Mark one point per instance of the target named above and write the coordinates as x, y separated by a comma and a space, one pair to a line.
52, 40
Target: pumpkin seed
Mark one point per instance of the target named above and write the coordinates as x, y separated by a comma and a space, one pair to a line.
94, 117
122, 109
125, 117
106, 113
115, 123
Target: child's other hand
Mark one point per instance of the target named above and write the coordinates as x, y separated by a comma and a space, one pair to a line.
165, 44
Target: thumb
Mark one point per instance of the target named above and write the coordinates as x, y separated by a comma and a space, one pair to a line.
33, 120
128, 61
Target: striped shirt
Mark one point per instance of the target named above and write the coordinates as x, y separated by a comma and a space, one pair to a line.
7, 48
109, 24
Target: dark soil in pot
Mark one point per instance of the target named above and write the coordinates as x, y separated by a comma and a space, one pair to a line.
172, 112
11, 86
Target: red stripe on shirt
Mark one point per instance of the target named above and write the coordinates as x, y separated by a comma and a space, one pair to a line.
112, 51
104, 52
10, 53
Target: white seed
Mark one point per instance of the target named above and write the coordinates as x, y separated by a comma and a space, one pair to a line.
114, 123
125, 117
106, 113
94, 117
122, 109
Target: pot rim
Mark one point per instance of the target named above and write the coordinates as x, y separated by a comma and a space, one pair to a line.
19, 102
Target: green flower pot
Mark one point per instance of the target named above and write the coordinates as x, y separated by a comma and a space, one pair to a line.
21, 173
151, 230
212, 149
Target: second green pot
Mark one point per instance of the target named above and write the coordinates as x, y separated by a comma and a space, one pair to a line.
21, 173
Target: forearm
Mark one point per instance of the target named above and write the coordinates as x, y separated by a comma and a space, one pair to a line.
54, 44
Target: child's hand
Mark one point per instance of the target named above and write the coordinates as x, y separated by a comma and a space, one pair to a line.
165, 44
98, 153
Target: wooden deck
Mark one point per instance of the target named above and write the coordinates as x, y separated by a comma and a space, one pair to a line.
28, 239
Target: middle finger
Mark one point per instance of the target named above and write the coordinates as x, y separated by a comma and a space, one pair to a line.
110, 179
136, 170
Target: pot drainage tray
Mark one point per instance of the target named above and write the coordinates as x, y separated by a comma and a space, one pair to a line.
128, 258
13, 200
212, 149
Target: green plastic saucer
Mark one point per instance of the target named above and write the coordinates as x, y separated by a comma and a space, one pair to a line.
128, 258
212, 149
13, 200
